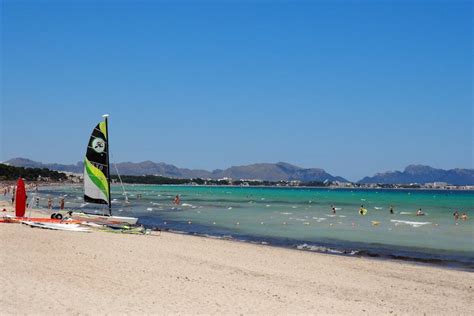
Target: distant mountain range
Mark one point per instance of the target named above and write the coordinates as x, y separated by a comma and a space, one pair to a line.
423, 174
260, 171
270, 172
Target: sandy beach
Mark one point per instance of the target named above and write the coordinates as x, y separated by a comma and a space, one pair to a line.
46, 271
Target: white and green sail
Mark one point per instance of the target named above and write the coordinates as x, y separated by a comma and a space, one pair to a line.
96, 167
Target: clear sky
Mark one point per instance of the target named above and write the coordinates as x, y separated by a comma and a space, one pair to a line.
354, 87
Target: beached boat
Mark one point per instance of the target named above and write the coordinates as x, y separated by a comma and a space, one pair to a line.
97, 178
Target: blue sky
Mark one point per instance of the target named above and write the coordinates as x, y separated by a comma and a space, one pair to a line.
353, 87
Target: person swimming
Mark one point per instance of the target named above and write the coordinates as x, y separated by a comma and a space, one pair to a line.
391, 209
456, 215
333, 209
420, 213
177, 200
362, 210
464, 217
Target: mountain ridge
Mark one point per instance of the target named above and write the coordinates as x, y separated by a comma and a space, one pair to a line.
261, 171
423, 174
414, 173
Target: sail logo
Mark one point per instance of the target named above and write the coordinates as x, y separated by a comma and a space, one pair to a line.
98, 144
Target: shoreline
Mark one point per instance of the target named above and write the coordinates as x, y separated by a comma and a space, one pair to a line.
43, 184
99, 272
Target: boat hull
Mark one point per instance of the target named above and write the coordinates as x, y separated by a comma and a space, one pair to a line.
103, 219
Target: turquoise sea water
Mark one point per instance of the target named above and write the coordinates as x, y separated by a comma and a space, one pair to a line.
302, 217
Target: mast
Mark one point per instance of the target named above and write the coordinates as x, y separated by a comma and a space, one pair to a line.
108, 162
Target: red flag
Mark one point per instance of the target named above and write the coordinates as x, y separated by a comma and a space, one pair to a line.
20, 198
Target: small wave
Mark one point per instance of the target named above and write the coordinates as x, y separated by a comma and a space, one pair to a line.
149, 209
406, 213
378, 208
286, 213
186, 204
413, 224
321, 249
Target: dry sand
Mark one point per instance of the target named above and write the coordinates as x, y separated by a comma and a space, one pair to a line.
58, 272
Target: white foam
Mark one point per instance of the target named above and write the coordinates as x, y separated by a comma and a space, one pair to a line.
378, 208
149, 209
413, 224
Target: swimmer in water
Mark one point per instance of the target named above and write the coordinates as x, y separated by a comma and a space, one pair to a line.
361, 210
391, 209
333, 209
177, 200
464, 216
456, 215
420, 213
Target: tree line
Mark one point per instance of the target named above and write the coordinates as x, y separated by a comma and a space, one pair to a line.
8, 173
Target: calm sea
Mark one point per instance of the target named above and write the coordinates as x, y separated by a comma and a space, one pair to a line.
302, 218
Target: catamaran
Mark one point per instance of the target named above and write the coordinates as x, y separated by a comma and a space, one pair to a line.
97, 178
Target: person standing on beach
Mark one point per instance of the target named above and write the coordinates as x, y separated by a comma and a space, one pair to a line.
50, 203
61, 204
391, 209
